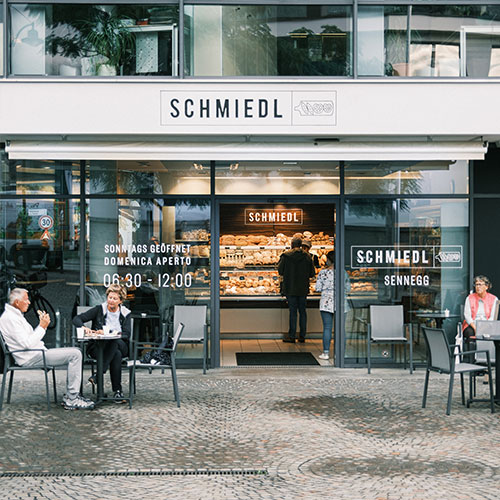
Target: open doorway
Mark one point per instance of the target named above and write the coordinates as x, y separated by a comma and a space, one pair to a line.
254, 317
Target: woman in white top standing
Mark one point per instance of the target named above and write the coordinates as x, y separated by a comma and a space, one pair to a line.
326, 285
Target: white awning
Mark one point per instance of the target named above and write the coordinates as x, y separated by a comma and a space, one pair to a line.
245, 151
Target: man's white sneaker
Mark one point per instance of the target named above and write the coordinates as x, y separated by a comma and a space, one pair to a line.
324, 355
78, 403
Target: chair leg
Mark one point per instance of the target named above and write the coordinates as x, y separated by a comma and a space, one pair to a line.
47, 388
368, 353
130, 387
54, 383
462, 390
205, 354
9, 391
174, 381
426, 385
2, 390
404, 355
492, 397
93, 373
411, 349
450, 394
131, 384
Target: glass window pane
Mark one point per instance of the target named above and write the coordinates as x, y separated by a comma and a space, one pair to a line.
39, 176
272, 177
39, 251
435, 40
431, 277
268, 40
424, 177
158, 249
148, 177
104, 40
382, 40
1, 37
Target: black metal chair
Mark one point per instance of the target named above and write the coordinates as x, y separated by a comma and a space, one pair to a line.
387, 327
11, 366
156, 347
441, 358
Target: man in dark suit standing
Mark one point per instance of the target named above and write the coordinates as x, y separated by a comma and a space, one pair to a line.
296, 268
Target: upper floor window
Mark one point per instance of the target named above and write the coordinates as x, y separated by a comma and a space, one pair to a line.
1, 38
429, 40
268, 40
104, 40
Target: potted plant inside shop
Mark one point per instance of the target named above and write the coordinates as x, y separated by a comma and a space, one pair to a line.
96, 37
110, 38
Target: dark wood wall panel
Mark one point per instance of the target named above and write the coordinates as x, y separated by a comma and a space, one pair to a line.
316, 218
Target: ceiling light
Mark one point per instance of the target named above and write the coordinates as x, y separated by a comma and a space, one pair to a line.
234, 166
198, 166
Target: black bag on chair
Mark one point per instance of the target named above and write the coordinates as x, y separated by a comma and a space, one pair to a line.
159, 357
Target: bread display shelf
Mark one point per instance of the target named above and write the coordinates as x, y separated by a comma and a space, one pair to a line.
270, 247
270, 298
191, 242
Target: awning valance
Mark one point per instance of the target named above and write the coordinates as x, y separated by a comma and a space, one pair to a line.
246, 151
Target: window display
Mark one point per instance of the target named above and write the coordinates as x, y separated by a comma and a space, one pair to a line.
157, 249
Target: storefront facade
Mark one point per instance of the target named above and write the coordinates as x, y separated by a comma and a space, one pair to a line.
187, 190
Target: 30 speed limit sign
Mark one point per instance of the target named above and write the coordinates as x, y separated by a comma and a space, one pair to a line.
45, 222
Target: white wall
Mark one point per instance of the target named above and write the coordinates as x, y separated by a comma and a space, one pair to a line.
367, 108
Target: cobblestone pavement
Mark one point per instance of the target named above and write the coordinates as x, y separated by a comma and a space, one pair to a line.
254, 434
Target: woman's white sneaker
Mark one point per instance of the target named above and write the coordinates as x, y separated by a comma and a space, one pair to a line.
324, 355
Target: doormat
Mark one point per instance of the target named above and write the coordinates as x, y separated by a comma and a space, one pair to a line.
275, 358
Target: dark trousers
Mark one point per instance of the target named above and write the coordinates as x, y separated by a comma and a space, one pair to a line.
113, 353
469, 344
297, 303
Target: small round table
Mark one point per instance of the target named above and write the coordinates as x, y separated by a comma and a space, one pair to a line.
439, 317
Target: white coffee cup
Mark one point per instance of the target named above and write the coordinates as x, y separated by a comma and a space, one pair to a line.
80, 333
106, 330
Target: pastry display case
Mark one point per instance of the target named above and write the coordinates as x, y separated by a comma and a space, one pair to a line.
248, 263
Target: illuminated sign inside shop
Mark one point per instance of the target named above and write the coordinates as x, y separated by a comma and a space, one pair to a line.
401, 256
273, 216
243, 108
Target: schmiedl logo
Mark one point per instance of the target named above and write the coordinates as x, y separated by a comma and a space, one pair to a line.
315, 108
444, 256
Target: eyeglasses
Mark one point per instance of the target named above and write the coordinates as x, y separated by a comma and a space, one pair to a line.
480, 284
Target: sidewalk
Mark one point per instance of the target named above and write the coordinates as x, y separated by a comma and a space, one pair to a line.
244, 433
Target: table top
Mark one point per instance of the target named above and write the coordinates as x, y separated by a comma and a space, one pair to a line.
144, 314
494, 338
441, 315
109, 336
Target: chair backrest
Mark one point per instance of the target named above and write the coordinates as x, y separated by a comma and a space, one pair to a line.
8, 359
496, 310
177, 336
438, 349
386, 321
485, 345
487, 328
194, 319
82, 309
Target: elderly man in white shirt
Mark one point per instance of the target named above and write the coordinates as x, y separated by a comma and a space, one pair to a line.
19, 334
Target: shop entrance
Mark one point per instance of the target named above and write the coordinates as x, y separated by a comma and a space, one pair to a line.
254, 317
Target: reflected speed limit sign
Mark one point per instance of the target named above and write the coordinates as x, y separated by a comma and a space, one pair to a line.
45, 222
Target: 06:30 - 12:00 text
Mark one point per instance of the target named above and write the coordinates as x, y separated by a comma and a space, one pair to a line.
163, 280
